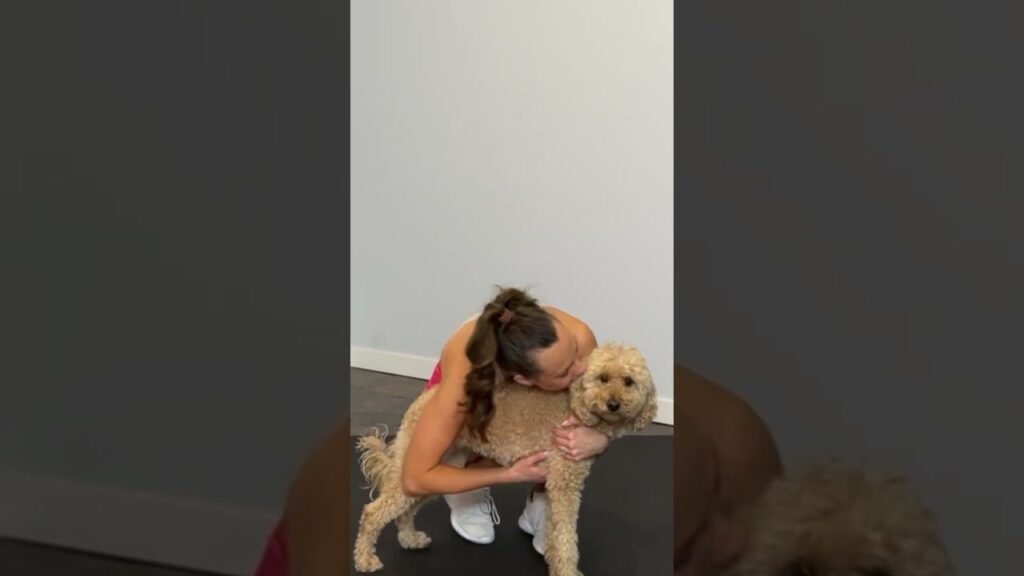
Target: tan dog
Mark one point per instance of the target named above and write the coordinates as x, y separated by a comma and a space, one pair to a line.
616, 395
829, 520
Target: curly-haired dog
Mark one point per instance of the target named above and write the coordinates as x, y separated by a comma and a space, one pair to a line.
832, 520
615, 395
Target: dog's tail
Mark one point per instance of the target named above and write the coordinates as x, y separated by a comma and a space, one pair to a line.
375, 460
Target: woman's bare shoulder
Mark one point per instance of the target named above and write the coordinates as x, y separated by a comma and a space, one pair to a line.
579, 328
705, 396
454, 351
743, 441
455, 364
563, 316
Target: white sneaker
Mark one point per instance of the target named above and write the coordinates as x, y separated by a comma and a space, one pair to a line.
534, 518
474, 515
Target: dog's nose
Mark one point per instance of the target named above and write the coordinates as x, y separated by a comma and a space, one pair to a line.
613, 405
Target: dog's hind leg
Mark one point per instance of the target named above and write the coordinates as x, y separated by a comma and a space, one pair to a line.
408, 536
376, 515
565, 488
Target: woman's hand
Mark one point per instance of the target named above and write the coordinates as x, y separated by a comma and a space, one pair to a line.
528, 469
577, 442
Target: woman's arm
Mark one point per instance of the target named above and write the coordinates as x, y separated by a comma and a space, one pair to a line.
423, 473
442, 419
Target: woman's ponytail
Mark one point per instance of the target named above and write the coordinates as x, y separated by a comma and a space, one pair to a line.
509, 329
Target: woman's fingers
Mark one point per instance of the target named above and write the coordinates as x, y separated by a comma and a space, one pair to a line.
570, 421
568, 449
537, 458
562, 437
563, 443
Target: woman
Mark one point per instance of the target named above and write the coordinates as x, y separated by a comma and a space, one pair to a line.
725, 459
513, 341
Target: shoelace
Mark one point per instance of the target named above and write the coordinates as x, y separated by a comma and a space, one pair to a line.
488, 507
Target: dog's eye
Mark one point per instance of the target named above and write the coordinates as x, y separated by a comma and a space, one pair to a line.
629, 381
603, 378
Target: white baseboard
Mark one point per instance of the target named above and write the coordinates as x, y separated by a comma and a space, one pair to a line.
665, 411
392, 362
147, 527
422, 367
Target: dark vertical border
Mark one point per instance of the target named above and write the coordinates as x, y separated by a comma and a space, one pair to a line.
848, 239
174, 208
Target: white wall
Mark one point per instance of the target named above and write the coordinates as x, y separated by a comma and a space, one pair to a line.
521, 143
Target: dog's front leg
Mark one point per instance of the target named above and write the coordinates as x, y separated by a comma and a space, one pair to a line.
565, 488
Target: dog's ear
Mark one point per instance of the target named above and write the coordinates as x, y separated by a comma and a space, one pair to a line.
577, 405
646, 416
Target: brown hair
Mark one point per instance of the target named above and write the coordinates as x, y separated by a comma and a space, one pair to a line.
509, 329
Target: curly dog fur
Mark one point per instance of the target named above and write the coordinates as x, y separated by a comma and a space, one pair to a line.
523, 419
832, 520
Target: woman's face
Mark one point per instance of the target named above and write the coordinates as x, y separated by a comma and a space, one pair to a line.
559, 363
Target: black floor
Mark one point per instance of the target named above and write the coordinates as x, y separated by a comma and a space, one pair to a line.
25, 559
625, 522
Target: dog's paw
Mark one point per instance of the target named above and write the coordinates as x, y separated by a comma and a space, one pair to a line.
368, 564
414, 540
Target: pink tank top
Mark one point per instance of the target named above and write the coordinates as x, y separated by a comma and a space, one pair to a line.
275, 555
435, 378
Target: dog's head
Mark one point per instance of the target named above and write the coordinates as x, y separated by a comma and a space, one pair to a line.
830, 520
617, 389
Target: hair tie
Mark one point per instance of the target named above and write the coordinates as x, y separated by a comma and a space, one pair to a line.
506, 315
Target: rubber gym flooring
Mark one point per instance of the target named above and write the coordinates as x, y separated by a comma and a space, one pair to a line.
625, 524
